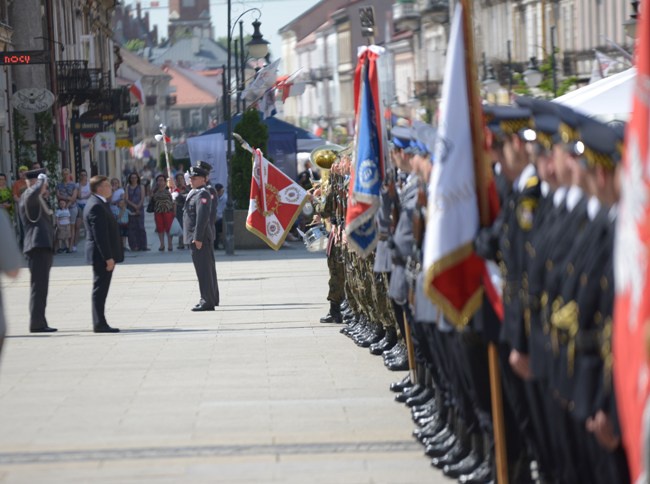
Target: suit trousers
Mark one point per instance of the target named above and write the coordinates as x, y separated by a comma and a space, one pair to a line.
40, 263
101, 284
203, 260
215, 282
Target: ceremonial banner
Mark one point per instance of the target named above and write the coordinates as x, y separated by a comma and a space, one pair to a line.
210, 148
453, 271
275, 203
137, 91
632, 263
367, 168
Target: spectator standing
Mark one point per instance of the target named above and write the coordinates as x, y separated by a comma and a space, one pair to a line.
63, 232
118, 194
123, 221
84, 190
20, 185
6, 196
10, 263
164, 212
67, 191
180, 194
221, 206
134, 196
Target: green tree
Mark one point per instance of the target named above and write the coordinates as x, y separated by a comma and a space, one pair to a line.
256, 133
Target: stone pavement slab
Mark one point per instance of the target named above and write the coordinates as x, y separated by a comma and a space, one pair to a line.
257, 391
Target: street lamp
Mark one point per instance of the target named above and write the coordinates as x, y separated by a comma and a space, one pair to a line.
258, 47
532, 76
489, 82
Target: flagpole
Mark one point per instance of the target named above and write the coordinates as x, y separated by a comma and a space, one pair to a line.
480, 170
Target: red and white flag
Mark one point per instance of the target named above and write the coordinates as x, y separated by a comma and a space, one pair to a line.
137, 91
632, 263
275, 203
454, 273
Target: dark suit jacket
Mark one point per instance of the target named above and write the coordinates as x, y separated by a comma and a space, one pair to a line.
103, 240
38, 224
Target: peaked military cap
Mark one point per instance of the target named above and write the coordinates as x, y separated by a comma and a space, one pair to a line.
506, 120
599, 143
33, 174
544, 120
204, 165
198, 171
401, 136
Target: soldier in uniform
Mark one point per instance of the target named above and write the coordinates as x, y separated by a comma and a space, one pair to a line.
38, 246
214, 198
198, 233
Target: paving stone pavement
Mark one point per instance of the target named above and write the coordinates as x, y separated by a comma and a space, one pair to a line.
258, 391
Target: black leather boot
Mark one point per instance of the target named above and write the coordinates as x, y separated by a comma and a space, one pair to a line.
469, 463
334, 314
388, 341
400, 386
375, 335
483, 473
410, 392
458, 451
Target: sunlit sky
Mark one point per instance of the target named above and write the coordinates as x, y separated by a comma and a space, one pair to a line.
275, 15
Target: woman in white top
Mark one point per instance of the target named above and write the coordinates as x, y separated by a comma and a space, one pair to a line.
82, 199
118, 194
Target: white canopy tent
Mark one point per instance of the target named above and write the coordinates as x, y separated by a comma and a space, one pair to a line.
607, 99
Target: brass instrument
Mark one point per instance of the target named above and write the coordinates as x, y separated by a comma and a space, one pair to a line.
324, 157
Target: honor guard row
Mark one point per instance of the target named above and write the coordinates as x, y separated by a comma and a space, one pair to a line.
554, 174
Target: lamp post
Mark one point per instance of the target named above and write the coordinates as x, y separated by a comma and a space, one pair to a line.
489, 82
553, 68
257, 47
532, 76
630, 24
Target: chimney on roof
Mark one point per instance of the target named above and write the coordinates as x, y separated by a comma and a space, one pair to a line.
196, 45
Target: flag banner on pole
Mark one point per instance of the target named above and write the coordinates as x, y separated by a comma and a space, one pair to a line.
368, 167
210, 148
275, 203
454, 273
137, 91
632, 263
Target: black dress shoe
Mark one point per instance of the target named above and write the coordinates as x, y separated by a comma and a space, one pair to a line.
440, 449
411, 392
202, 308
457, 453
398, 364
45, 329
105, 329
419, 399
481, 475
400, 386
463, 467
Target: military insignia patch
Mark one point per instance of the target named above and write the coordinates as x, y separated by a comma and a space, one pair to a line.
204, 201
525, 212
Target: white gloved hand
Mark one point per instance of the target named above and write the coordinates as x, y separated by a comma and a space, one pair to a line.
187, 177
42, 176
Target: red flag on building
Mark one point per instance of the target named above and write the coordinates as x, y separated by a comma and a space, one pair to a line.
137, 91
275, 203
632, 262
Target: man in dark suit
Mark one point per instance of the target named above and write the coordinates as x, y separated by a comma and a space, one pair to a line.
38, 246
103, 247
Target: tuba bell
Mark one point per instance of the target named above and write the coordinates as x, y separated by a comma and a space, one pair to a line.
324, 157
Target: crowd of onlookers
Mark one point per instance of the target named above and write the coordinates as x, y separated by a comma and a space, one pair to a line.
143, 192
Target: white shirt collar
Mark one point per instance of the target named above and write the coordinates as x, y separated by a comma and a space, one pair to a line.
573, 196
545, 188
558, 196
100, 197
520, 182
593, 206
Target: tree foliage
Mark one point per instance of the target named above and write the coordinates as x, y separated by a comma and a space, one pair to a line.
256, 133
134, 45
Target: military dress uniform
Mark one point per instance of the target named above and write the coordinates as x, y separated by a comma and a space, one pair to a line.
197, 227
214, 199
38, 247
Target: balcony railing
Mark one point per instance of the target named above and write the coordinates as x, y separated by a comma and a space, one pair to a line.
77, 83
